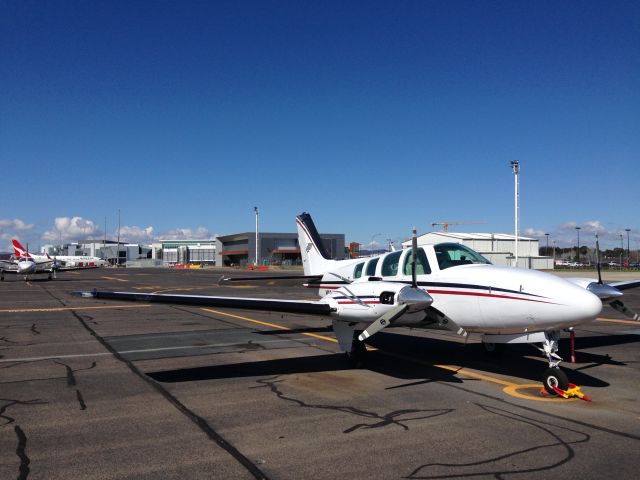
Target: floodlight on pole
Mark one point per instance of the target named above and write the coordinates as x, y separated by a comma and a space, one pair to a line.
255, 261
547, 250
515, 165
628, 251
621, 249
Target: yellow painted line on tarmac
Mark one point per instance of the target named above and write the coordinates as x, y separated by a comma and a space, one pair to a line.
613, 320
510, 388
273, 325
62, 309
116, 279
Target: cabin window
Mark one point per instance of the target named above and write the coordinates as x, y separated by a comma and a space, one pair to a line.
390, 264
422, 264
357, 273
454, 254
371, 267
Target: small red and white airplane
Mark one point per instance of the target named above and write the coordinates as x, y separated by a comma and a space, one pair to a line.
446, 285
59, 260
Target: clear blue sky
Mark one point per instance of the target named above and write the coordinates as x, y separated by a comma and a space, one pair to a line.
372, 116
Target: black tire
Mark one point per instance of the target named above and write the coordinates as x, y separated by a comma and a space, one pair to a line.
356, 358
555, 377
493, 350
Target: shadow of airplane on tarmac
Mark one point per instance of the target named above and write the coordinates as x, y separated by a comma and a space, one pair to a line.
397, 354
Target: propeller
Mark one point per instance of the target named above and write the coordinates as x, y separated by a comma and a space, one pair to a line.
615, 304
408, 298
598, 260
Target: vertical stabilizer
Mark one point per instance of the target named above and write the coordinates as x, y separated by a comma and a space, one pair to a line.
315, 258
19, 249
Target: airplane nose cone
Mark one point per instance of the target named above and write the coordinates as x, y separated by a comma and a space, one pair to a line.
587, 305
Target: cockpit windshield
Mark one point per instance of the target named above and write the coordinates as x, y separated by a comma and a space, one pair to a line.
454, 254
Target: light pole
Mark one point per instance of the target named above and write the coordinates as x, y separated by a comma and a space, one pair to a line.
118, 243
255, 261
621, 250
515, 165
628, 252
578, 230
554, 253
547, 250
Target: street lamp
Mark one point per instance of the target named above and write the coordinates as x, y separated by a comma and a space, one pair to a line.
515, 165
554, 253
621, 249
628, 252
578, 230
255, 261
547, 250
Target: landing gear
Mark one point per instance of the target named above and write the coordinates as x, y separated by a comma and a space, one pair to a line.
493, 350
356, 357
553, 376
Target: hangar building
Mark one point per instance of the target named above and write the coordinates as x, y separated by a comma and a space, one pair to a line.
498, 248
274, 248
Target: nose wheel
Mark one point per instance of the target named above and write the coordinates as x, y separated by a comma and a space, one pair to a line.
553, 376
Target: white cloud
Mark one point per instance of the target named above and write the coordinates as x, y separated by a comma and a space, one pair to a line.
532, 232
16, 224
201, 233
135, 234
566, 234
72, 229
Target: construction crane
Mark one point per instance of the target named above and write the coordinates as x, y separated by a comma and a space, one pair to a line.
445, 225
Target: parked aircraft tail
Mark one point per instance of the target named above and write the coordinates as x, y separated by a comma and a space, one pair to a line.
315, 258
19, 249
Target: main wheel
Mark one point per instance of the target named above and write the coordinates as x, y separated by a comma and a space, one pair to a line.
554, 377
493, 349
357, 356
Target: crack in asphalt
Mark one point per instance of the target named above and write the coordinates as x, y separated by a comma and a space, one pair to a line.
83, 406
391, 418
499, 471
71, 378
199, 421
33, 329
12, 402
21, 452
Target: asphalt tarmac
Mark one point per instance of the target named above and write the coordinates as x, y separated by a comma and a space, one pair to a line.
108, 390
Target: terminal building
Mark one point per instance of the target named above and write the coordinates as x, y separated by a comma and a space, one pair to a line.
498, 248
273, 248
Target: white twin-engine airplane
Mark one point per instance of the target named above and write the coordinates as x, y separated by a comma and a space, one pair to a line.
445, 285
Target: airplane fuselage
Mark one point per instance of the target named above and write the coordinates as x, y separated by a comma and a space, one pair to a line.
479, 297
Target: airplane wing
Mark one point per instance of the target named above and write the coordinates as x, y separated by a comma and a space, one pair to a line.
625, 285
274, 305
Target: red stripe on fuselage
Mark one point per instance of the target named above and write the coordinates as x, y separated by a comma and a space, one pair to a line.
490, 295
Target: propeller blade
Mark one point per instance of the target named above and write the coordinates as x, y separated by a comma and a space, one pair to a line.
622, 308
384, 321
598, 260
414, 255
454, 327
